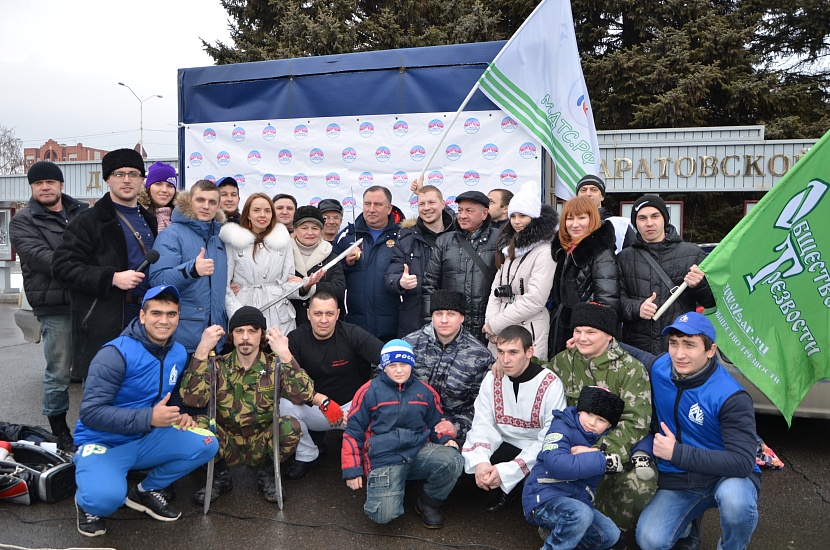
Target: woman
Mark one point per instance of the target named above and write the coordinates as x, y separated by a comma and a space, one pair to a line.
260, 261
311, 253
586, 267
522, 285
159, 192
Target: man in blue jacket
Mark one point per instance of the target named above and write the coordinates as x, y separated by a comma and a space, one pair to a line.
126, 423
705, 446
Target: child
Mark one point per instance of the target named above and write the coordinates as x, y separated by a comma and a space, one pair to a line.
390, 436
559, 493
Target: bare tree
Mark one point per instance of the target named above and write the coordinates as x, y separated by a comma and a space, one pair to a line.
11, 152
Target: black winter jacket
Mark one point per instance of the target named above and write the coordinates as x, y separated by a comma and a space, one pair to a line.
35, 233
451, 268
638, 280
92, 251
588, 274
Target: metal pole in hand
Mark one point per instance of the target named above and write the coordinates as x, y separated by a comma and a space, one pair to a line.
674, 296
275, 427
212, 417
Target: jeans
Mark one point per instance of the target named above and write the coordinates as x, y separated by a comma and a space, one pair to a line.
311, 418
667, 517
439, 465
57, 348
574, 524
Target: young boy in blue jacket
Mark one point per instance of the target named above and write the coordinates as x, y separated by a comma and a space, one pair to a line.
559, 493
390, 436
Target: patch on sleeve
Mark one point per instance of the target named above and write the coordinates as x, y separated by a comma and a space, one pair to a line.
550, 441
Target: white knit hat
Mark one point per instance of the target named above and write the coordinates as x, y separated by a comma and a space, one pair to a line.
527, 201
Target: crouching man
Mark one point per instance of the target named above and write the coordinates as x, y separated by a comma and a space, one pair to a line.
245, 399
392, 424
125, 423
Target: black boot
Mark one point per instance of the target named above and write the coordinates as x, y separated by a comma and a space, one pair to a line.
222, 483
266, 482
61, 431
502, 500
430, 511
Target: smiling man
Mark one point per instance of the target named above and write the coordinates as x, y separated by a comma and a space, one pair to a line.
229, 198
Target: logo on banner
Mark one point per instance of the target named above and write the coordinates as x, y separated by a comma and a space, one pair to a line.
383, 154
300, 131
333, 130
238, 134
349, 155
365, 179
508, 177
472, 126
366, 129
435, 127
210, 177
209, 135
254, 157
490, 151
400, 179
527, 150
451, 203
348, 204
269, 133
508, 125
300, 180
195, 159
471, 177
400, 128
453, 152
284, 156
417, 153
315, 155
315, 201
413, 203
332, 179
269, 181
436, 178
223, 158
240, 180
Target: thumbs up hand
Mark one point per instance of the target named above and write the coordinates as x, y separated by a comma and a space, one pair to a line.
204, 266
408, 282
649, 308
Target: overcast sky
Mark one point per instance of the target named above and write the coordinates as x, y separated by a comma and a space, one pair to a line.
61, 62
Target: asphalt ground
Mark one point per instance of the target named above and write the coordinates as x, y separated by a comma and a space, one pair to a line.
321, 512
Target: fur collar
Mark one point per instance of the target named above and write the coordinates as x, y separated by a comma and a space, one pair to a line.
185, 207
240, 238
539, 230
603, 238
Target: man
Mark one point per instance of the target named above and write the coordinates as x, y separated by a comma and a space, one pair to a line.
593, 187
98, 257
512, 416
245, 399
499, 201
410, 257
332, 212
644, 287
596, 359
284, 207
368, 305
705, 446
452, 266
127, 424
338, 357
451, 360
35, 233
229, 198
192, 258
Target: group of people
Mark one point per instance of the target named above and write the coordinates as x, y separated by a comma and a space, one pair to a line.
427, 345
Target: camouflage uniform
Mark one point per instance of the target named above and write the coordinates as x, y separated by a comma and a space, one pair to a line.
622, 496
245, 405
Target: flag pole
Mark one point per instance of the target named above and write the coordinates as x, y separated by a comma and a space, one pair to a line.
674, 296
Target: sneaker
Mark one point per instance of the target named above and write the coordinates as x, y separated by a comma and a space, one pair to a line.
90, 525
153, 503
642, 466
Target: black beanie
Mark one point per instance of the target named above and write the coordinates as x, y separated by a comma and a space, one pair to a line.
591, 179
44, 170
247, 315
447, 299
121, 158
601, 402
592, 314
308, 214
649, 200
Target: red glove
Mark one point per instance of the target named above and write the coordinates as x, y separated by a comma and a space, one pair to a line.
332, 412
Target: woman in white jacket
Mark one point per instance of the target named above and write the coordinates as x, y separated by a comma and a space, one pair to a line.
522, 284
260, 261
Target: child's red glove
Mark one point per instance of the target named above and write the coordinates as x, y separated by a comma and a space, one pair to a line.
332, 412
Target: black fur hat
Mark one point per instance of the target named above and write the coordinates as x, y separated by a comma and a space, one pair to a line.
447, 299
601, 402
121, 158
592, 314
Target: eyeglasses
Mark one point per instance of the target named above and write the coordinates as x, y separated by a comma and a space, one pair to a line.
333, 218
131, 175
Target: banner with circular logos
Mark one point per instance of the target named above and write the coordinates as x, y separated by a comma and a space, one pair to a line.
339, 157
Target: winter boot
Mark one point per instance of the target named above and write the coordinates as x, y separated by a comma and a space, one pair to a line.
266, 482
60, 430
222, 483
430, 511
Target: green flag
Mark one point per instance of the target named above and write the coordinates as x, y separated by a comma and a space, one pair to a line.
770, 279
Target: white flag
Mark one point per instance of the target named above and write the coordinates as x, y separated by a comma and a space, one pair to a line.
537, 79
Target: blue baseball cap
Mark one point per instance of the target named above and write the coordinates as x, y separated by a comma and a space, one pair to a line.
692, 323
156, 290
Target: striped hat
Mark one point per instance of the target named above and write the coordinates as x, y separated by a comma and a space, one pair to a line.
397, 351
